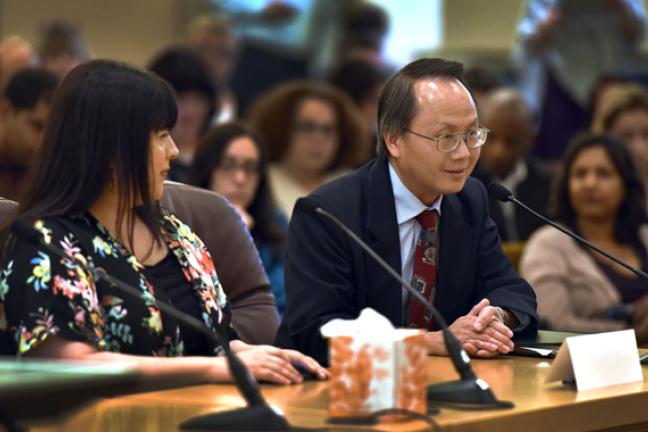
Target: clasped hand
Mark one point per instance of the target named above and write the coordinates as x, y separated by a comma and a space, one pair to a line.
481, 333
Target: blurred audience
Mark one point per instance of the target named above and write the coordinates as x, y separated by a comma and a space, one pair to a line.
362, 81
15, 54
565, 47
214, 38
62, 47
599, 196
232, 160
481, 81
197, 99
365, 26
313, 133
505, 159
24, 109
623, 112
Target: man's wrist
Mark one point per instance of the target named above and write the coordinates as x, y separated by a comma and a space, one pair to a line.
436, 343
501, 313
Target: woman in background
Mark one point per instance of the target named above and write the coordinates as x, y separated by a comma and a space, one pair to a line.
623, 113
313, 132
600, 197
107, 149
232, 160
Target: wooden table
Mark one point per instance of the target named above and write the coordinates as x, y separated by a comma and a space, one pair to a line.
538, 406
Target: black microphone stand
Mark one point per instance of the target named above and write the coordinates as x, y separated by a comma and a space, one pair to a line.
468, 390
502, 194
257, 415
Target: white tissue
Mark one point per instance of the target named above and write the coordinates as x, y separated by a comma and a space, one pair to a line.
370, 323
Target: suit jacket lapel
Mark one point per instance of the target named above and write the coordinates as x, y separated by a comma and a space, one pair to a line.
455, 250
383, 292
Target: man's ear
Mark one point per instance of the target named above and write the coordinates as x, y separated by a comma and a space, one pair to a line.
393, 144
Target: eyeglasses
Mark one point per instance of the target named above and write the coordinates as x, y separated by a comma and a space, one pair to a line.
449, 142
249, 167
310, 127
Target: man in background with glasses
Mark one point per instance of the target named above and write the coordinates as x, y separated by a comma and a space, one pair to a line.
415, 206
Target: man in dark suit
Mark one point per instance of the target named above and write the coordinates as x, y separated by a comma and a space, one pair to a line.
506, 160
412, 205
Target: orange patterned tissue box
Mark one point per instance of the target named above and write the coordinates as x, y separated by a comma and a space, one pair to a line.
374, 366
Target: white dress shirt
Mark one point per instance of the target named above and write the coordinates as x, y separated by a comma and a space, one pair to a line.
408, 206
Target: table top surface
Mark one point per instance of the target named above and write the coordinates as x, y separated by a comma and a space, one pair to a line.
538, 405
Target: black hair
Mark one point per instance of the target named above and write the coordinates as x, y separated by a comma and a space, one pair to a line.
100, 122
208, 157
632, 212
357, 78
29, 86
184, 70
397, 105
366, 25
480, 79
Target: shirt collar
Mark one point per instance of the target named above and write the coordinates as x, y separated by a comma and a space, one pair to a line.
408, 206
517, 175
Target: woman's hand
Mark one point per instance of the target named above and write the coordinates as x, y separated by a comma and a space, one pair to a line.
277, 365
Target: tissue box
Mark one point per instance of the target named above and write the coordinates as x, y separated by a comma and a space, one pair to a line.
371, 372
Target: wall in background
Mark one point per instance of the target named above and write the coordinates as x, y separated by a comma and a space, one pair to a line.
133, 30
129, 30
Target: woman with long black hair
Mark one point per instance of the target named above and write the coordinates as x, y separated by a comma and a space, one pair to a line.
94, 193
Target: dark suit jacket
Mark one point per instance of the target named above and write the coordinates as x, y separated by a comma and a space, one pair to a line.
328, 276
534, 191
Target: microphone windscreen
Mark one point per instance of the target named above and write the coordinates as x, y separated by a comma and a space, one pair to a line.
499, 192
25, 230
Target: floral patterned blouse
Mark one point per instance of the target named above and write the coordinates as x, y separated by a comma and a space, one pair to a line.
41, 294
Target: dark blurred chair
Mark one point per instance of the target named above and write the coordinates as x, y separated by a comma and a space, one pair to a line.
513, 251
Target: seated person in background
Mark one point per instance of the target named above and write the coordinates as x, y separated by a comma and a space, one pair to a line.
15, 54
481, 81
106, 152
313, 132
232, 160
197, 96
430, 141
623, 113
216, 41
62, 47
506, 160
362, 81
599, 196
23, 108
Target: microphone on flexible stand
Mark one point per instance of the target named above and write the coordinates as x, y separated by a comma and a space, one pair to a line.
502, 194
257, 415
468, 389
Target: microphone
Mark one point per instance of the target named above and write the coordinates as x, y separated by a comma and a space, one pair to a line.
469, 389
502, 194
257, 415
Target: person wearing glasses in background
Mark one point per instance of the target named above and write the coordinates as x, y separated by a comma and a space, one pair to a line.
314, 134
416, 207
232, 160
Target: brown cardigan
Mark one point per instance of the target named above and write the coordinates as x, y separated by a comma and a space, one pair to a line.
254, 312
572, 291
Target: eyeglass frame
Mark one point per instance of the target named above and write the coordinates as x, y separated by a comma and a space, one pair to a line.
231, 166
463, 135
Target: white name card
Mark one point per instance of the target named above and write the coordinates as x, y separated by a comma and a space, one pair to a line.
598, 360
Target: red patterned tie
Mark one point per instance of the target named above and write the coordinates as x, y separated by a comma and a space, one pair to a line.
425, 269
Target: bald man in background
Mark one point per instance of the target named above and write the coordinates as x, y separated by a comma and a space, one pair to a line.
15, 54
506, 160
